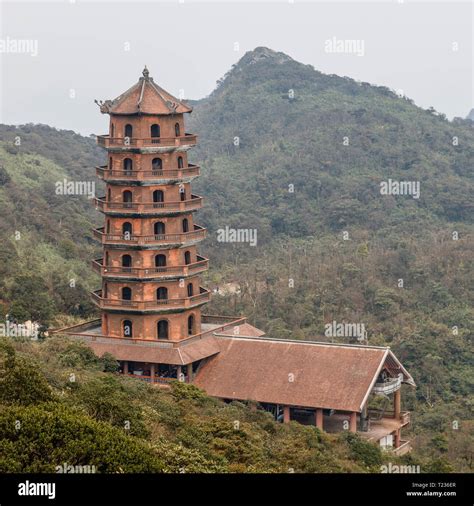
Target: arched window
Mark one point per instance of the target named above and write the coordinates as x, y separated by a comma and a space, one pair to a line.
156, 165
127, 197
176, 130
190, 290
185, 225
160, 261
112, 130
109, 195
127, 230
110, 163
126, 261
159, 228
127, 328
126, 293
105, 291
155, 131
107, 259
187, 257
180, 162
191, 325
108, 226
158, 196
162, 293
162, 328
127, 165
128, 132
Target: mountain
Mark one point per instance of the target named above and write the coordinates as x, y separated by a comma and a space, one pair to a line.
300, 157
299, 141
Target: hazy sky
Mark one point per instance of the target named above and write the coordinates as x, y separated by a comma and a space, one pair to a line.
91, 49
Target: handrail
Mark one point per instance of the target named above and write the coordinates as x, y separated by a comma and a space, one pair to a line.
198, 233
181, 205
140, 271
107, 141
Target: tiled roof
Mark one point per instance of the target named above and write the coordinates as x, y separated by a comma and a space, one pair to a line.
185, 354
295, 373
145, 97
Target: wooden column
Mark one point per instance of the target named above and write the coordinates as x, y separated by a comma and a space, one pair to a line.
396, 404
125, 367
319, 418
152, 373
286, 414
178, 374
190, 373
396, 439
353, 422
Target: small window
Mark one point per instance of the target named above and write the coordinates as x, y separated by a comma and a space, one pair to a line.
127, 165
126, 293
187, 257
162, 293
127, 198
126, 261
177, 130
159, 228
180, 162
128, 132
162, 328
127, 328
156, 164
191, 325
127, 230
190, 290
160, 261
158, 196
155, 131
185, 225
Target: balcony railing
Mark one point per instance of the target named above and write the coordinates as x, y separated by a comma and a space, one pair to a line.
389, 386
404, 448
198, 234
151, 272
157, 304
106, 141
156, 379
103, 172
195, 202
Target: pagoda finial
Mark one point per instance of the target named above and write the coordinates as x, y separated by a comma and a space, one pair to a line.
146, 73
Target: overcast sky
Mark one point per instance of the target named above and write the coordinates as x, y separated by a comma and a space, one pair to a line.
91, 49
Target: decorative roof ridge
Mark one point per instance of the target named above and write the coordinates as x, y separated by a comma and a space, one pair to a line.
299, 341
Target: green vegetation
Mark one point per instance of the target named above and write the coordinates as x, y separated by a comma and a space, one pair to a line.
59, 413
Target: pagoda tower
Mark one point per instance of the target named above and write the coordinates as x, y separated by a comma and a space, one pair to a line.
150, 267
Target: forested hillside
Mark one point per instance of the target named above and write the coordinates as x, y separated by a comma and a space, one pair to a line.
299, 156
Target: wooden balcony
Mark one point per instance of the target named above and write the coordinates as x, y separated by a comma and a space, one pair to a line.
160, 176
151, 305
389, 386
405, 447
107, 142
171, 271
170, 240
150, 208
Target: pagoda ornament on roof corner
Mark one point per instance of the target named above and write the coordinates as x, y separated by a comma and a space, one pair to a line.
150, 267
